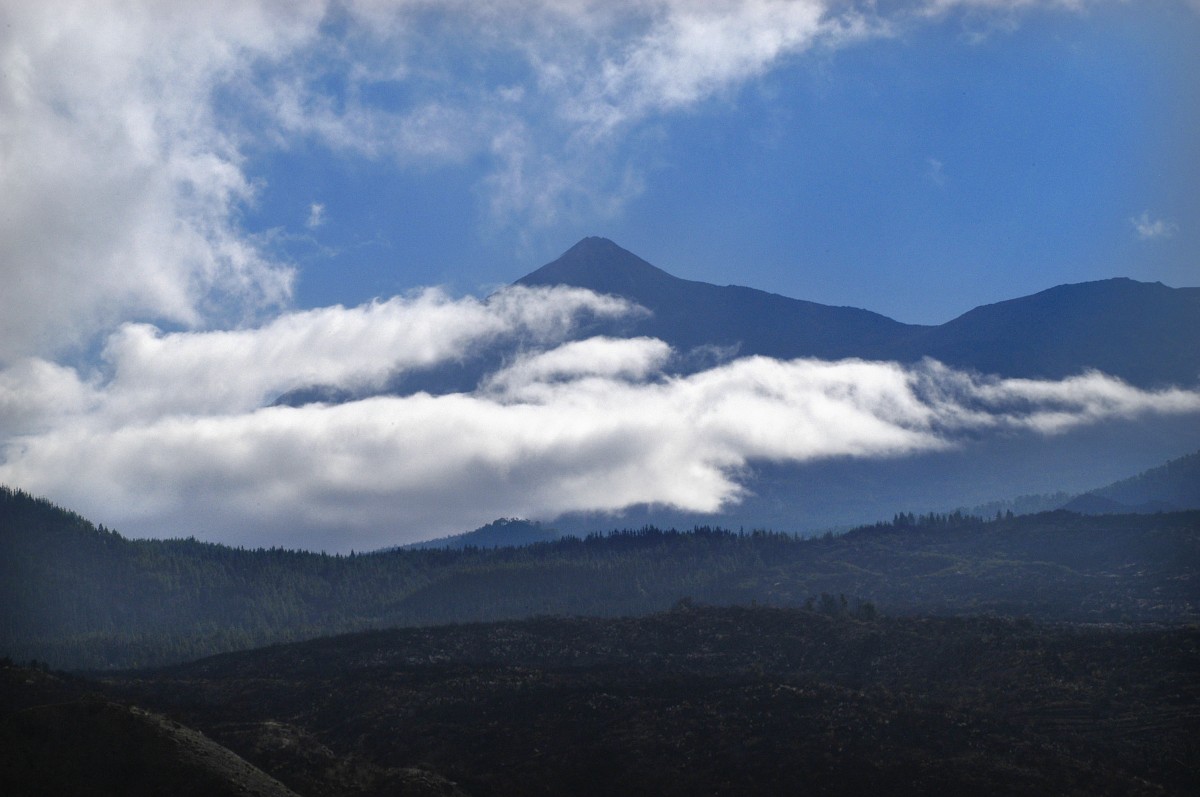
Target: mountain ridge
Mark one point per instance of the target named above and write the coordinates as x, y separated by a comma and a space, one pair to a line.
500, 533
1170, 487
690, 313
1123, 328
1120, 326
83, 597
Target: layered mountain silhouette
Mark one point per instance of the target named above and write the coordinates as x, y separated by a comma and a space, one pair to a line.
689, 314
53, 741
1144, 333
1167, 488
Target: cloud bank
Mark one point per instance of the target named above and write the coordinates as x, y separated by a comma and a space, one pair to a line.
179, 435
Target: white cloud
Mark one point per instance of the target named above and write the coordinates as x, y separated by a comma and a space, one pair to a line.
178, 441
316, 216
120, 187
689, 51
603, 71
36, 396
628, 358
1149, 228
221, 372
981, 19
969, 402
935, 171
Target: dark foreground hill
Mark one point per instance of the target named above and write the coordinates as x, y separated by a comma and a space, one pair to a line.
80, 597
63, 738
63, 735
737, 701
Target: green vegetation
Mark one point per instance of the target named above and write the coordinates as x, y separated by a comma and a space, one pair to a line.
83, 597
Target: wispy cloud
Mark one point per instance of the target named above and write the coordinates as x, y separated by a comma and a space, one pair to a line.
943, 6
316, 216
935, 171
1149, 228
154, 375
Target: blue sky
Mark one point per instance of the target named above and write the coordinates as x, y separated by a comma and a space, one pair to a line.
955, 161
209, 204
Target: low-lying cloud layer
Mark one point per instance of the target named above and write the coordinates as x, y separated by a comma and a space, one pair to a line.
179, 436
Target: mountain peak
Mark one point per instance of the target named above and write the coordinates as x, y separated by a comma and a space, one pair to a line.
595, 246
594, 243
602, 266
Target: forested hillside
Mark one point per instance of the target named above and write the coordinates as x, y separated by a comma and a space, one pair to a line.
731, 701
81, 596
500, 533
1174, 485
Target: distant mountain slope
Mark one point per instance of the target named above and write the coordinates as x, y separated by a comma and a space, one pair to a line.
689, 314
497, 534
1145, 333
1177, 482
1141, 332
1167, 488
